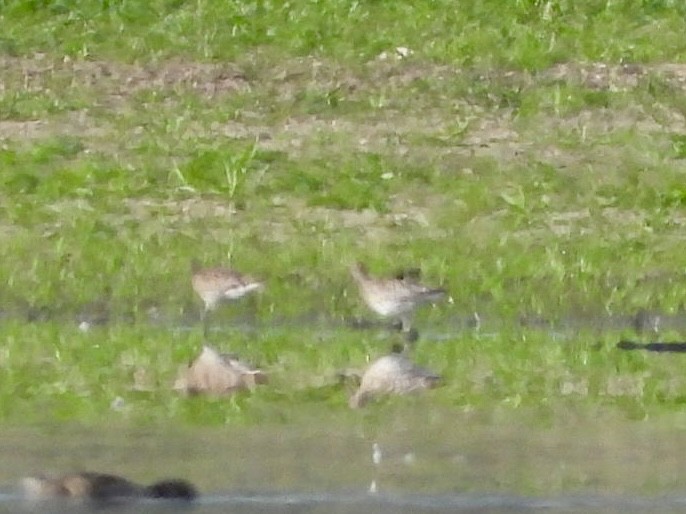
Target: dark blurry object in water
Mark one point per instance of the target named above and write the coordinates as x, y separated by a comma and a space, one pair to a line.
392, 374
104, 487
412, 336
653, 347
39, 313
534, 321
218, 374
97, 312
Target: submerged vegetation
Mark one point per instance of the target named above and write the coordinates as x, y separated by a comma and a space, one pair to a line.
529, 156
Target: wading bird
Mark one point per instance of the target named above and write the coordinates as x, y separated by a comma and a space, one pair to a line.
395, 297
216, 285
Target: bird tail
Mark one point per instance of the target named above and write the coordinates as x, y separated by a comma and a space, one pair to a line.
244, 289
173, 489
432, 381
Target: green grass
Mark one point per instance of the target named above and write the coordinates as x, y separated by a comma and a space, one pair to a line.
527, 180
53, 372
527, 34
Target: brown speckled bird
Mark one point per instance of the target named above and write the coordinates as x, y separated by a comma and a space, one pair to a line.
395, 297
216, 285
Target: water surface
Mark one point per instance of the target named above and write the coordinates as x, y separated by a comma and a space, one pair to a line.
437, 460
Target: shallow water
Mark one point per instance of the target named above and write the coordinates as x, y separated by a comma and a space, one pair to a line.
436, 461
380, 504
647, 322
433, 459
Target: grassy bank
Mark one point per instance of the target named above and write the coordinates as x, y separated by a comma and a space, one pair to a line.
529, 156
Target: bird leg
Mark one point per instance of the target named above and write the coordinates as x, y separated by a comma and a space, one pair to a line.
204, 318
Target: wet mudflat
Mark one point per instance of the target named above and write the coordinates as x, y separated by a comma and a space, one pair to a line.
428, 459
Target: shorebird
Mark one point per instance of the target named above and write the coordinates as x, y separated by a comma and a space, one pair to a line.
395, 297
392, 374
217, 374
104, 487
216, 285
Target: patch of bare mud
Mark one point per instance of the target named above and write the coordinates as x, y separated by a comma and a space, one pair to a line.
495, 133
598, 76
565, 223
75, 124
180, 210
291, 78
119, 79
32, 129
615, 77
676, 72
206, 79
372, 224
594, 122
399, 74
445, 134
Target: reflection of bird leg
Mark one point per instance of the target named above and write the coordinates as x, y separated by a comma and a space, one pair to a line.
405, 322
204, 318
411, 337
411, 334
253, 305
